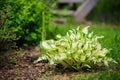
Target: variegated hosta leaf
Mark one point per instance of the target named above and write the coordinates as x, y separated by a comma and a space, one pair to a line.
106, 63
90, 35
77, 49
98, 46
86, 45
85, 30
58, 36
47, 45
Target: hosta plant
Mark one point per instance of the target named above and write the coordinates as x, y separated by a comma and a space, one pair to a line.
76, 50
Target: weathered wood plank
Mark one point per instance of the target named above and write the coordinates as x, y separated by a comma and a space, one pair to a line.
84, 9
63, 12
71, 1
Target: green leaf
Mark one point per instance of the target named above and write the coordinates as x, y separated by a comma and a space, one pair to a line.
106, 63
85, 30
33, 35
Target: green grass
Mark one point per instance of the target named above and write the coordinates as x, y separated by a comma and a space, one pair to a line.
111, 41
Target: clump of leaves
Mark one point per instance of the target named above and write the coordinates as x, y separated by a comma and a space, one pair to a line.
76, 50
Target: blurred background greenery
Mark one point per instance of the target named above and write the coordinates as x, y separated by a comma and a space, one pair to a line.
106, 11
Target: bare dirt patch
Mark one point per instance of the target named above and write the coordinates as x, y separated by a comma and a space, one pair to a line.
18, 65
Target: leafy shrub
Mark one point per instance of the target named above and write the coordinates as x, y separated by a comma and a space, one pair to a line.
21, 19
7, 34
77, 49
7, 38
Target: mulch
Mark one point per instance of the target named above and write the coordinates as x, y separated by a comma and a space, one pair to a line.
18, 65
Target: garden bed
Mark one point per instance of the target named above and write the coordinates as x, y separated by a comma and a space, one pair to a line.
18, 64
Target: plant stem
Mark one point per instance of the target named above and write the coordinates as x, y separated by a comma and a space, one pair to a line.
43, 27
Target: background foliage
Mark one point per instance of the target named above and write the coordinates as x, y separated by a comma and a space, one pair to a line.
106, 11
21, 21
